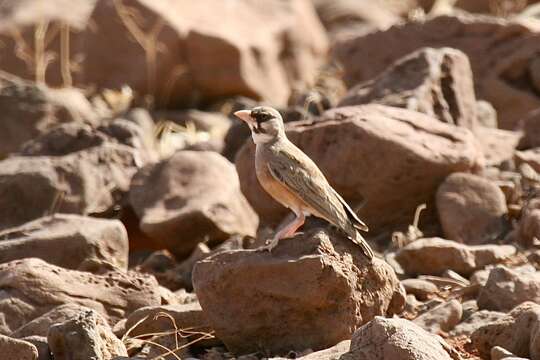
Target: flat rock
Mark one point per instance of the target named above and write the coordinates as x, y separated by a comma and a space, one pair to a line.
421, 289
500, 68
319, 286
86, 336
436, 82
192, 197
518, 332
396, 339
31, 287
506, 288
17, 349
432, 256
471, 209
414, 155
475, 321
442, 318
80, 238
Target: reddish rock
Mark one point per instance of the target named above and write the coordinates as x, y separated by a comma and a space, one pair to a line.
471, 209
319, 286
500, 68
436, 82
17, 349
415, 153
192, 197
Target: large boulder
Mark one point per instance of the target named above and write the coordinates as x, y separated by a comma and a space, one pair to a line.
433, 256
179, 53
192, 197
471, 209
312, 291
436, 82
32, 287
391, 159
396, 339
80, 239
500, 68
29, 110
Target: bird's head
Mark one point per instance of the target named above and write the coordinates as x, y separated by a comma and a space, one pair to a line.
265, 123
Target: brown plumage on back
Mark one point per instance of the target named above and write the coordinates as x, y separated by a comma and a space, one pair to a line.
294, 180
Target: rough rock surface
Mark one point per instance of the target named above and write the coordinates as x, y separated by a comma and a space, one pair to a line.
498, 145
433, 256
442, 318
17, 349
192, 197
319, 286
471, 209
476, 321
415, 153
176, 51
436, 82
31, 287
500, 68
517, 332
79, 238
507, 288
86, 336
396, 339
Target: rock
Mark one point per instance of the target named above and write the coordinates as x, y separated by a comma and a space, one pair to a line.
87, 336
530, 157
500, 68
486, 115
529, 224
531, 130
29, 110
476, 321
471, 209
432, 256
32, 287
398, 177
421, 289
396, 339
17, 349
190, 198
500, 8
177, 54
498, 145
40, 342
507, 288
442, 318
499, 353
80, 238
315, 281
518, 332
333, 353
436, 82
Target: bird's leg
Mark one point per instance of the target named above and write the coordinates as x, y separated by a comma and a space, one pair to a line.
287, 231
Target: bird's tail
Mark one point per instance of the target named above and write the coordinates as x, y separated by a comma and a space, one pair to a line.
360, 241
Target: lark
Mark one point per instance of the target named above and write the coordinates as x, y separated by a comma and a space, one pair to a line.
295, 181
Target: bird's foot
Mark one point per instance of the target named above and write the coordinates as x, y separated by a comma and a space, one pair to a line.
268, 247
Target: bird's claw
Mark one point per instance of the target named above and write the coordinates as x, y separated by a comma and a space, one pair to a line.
268, 247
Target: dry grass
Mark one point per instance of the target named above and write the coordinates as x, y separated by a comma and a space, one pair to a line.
400, 239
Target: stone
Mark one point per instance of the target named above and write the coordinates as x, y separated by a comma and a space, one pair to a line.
500, 68
498, 145
436, 82
507, 288
475, 321
30, 109
333, 353
529, 223
174, 53
518, 332
86, 336
17, 349
432, 256
80, 238
40, 342
471, 209
421, 289
415, 154
531, 130
31, 287
530, 157
486, 115
442, 318
319, 286
396, 339
192, 197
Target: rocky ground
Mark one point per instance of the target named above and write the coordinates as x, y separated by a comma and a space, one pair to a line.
131, 217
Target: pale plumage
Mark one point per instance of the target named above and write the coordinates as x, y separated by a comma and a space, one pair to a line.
294, 180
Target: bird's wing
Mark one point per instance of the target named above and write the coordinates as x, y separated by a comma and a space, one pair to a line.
300, 174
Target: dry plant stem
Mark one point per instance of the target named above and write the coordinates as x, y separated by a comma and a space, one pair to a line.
65, 64
39, 51
417, 214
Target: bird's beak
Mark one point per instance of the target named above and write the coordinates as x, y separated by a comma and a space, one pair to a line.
244, 115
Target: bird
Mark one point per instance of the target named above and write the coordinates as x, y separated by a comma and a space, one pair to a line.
294, 180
